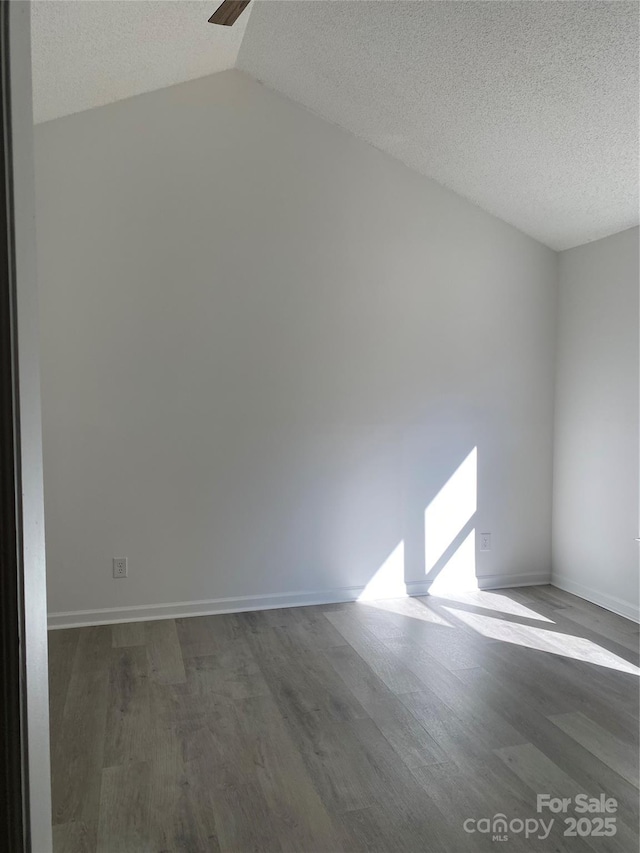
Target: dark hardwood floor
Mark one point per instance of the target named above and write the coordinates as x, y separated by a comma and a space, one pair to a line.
379, 726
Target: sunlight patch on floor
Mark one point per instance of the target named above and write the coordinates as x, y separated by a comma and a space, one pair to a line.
411, 608
497, 603
543, 640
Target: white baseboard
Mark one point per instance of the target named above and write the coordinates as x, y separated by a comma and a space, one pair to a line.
206, 607
489, 582
595, 596
508, 581
240, 604
418, 587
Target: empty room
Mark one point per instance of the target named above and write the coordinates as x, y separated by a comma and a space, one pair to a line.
339, 316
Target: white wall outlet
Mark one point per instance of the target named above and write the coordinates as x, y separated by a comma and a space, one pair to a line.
120, 567
485, 541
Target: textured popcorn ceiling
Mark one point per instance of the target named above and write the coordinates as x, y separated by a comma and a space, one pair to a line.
86, 53
527, 107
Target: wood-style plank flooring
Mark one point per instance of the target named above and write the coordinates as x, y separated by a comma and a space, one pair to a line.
378, 726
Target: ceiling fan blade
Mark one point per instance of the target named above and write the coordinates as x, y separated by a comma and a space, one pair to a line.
227, 13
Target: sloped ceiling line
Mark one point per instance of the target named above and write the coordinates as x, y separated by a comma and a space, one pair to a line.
529, 108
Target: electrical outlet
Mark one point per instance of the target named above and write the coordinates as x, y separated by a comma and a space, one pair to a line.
120, 567
485, 541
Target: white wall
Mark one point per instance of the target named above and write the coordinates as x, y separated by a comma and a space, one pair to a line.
596, 465
31, 505
266, 347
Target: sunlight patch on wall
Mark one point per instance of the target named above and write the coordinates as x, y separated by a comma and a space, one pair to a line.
445, 517
459, 572
451, 509
388, 581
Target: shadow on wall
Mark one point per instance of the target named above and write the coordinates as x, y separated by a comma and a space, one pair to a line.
449, 541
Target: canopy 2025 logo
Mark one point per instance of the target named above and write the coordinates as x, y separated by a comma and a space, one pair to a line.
592, 817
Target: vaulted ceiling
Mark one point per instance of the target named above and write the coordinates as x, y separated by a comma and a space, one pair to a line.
87, 53
529, 109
